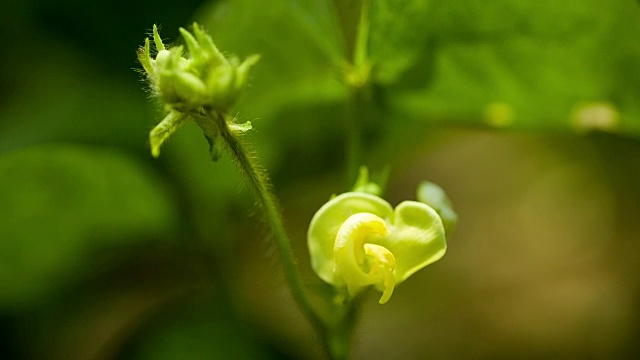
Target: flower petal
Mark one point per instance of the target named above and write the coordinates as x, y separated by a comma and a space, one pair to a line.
326, 223
417, 238
357, 264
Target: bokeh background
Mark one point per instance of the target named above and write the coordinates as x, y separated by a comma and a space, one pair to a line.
106, 253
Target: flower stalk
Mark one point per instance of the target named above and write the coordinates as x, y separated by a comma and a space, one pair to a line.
202, 88
259, 185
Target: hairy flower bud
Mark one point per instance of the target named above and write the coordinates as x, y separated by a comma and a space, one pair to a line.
204, 79
191, 87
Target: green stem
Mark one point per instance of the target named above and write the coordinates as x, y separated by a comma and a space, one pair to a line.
353, 137
359, 81
340, 334
259, 184
361, 49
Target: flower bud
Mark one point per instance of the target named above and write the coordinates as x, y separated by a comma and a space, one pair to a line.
176, 85
194, 87
205, 79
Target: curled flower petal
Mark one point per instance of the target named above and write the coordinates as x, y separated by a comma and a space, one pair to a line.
382, 265
352, 261
327, 222
418, 238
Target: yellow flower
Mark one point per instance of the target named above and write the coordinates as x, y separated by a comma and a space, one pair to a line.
358, 240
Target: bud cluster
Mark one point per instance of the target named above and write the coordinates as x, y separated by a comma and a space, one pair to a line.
206, 79
204, 83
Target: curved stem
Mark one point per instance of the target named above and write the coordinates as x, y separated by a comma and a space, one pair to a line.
259, 184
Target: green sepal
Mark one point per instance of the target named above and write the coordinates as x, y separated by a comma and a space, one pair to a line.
242, 71
157, 39
215, 56
364, 185
172, 122
197, 55
144, 56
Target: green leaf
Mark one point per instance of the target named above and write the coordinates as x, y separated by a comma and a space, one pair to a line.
525, 66
528, 65
61, 204
300, 46
398, 33
197, 332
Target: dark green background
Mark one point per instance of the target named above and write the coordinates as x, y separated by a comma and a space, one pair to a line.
107, 253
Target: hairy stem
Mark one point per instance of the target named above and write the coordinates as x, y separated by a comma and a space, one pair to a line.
260, 187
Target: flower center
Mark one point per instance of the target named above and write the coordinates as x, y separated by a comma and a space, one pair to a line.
359, 261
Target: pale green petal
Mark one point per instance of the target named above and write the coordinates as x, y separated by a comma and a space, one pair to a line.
416, 240
326, 223
433, 195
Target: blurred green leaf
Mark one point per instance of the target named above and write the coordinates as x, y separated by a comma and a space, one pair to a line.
196, 332
398, 35
66, 96
63, 203
529, 65
300, 46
